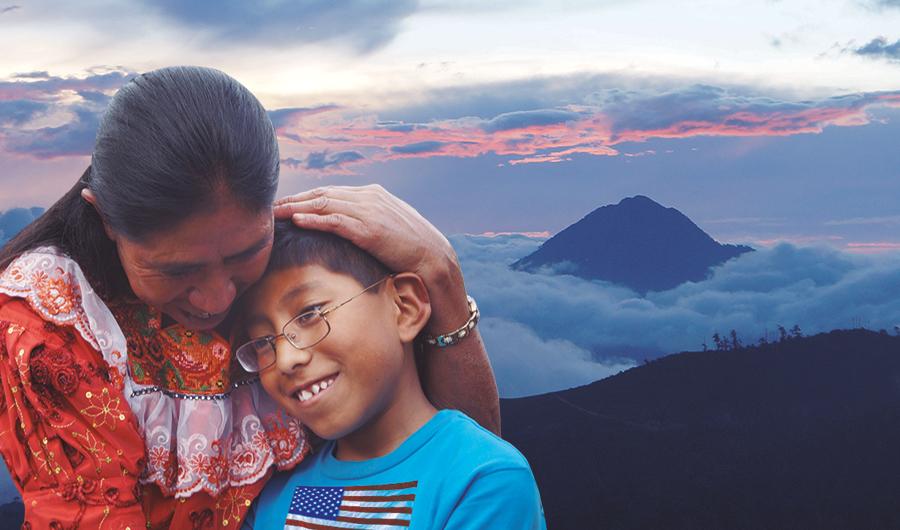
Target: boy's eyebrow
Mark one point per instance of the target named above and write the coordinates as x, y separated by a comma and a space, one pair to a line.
258, 318
297, 290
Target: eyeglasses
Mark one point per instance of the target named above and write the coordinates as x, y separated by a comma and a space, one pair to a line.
303, 331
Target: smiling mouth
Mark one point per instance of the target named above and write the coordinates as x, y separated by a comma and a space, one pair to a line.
315, 389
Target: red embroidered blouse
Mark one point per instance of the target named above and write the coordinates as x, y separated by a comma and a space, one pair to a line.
95, 438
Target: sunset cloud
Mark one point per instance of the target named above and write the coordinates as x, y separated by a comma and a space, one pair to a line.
595, 123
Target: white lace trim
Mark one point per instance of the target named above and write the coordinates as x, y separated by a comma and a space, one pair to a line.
192, 445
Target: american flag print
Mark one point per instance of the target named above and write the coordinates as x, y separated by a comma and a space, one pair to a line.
381, 506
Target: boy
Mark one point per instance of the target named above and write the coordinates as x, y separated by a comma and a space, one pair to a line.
333, 336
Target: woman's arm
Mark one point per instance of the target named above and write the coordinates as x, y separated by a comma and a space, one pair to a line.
457, 376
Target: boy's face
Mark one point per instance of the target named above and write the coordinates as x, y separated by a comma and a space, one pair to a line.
360, 360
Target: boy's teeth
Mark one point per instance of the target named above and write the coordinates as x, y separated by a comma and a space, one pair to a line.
314, 389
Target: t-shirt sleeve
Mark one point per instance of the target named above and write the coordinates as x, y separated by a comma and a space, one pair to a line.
505, 498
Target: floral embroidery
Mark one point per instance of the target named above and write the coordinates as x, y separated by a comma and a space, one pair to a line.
159, 457
219, 351
233, 503
57, 290
103, 409
174, 358
57, 294
93, 445
284, 437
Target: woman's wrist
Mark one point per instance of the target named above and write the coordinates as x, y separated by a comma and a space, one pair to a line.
447, 290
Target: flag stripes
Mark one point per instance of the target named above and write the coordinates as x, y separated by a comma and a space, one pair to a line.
378, 506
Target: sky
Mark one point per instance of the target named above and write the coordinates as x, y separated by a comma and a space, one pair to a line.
772, 123
763, 121
769, 123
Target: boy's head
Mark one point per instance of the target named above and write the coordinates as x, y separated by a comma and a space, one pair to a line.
346, 352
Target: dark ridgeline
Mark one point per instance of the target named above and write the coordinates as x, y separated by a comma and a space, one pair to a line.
801, 434
636, 243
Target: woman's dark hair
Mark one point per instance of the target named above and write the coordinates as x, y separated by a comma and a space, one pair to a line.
173, 143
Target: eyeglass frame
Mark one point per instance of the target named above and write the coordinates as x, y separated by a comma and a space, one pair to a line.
322, 313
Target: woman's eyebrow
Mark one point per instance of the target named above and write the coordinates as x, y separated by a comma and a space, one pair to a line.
192, 265
249, 251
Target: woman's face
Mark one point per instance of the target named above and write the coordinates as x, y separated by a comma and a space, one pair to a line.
194, 272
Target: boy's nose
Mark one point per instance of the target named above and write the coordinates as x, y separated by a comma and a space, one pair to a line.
288, 358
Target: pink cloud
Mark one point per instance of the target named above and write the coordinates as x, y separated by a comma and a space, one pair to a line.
873, 248
552, 135
537, 235
557, 134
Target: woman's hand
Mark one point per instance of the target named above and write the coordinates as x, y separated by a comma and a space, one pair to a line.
377, 222
397, 235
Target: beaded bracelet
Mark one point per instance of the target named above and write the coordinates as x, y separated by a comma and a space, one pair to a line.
449, 339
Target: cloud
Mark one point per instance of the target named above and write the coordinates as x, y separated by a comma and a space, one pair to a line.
7, 9
365, 25
817, 288
325, 160
36, 86
584, 120
47, 117
879, 47
418, 148
527, 119
577, 119
74, 138
19, 111
291, 116
526, 365
885, 3
878, 220
42, 74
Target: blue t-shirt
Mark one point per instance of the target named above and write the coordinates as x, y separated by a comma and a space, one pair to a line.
451, 473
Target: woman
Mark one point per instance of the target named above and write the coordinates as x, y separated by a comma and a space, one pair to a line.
121, 408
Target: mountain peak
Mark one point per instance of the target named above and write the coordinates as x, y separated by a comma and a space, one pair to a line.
638, 243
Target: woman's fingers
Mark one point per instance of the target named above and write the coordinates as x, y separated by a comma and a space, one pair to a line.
322, 205
347, 193
339, 224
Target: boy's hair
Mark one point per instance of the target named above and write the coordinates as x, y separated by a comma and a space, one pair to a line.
296, 247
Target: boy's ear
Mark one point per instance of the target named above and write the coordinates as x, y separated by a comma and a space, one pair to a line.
88, 196
411, 299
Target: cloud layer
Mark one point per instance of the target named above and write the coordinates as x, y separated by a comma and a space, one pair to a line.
881, 48
364, 24
46, 116
581, 119
569, 320
596, 123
